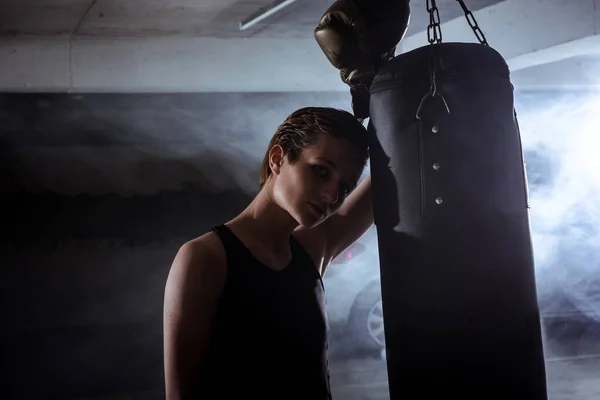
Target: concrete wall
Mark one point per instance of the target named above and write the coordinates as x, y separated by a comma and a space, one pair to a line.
81, 288
138, 144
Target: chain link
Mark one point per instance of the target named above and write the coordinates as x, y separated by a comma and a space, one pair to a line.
473, 23
434, 31
434, 37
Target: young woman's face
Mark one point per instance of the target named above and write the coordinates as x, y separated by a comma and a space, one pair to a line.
315, 186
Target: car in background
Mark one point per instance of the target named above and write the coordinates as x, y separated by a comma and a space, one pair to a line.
570, 316
353, 293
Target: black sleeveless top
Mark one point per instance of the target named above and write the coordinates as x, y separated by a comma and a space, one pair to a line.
269, 338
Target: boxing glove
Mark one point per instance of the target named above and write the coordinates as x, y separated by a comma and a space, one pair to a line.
357, 36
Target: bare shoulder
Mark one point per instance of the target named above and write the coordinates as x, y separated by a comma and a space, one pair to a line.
196, 281
206, 247
201, 262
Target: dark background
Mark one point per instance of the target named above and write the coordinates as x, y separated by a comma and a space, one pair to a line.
97, 193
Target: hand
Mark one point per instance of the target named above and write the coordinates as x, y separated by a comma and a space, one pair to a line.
357, 37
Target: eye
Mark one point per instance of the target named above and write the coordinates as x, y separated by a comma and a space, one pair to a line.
320, 170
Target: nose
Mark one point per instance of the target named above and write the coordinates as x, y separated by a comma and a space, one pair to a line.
330, 194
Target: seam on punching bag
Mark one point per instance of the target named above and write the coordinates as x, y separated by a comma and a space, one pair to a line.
422, 168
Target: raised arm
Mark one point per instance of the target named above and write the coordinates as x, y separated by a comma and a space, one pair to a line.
194, 284
350, 222
327, 240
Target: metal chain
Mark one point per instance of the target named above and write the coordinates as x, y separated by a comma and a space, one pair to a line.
473, 23
434, 31
434, 37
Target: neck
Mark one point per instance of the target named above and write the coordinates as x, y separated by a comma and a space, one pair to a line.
266, 222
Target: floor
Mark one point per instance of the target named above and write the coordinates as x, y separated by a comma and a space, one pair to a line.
366, 379
567, 379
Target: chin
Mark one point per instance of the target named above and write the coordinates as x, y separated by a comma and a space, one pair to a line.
305, 217
309, 221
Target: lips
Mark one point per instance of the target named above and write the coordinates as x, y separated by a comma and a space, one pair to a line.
318, 210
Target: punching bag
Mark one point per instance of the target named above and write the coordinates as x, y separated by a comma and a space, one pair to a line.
451, 208
450, 201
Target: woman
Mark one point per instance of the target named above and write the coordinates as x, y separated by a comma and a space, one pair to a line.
244, 305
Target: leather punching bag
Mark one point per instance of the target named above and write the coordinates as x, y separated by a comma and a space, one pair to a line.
450, 197
450, 200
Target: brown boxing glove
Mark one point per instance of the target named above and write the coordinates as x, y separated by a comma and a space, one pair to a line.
357, 36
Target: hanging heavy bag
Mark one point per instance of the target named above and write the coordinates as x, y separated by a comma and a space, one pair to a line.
451, 209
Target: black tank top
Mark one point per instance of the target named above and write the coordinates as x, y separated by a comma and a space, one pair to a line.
269, 338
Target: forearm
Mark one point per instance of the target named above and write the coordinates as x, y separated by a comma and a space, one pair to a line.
359, 205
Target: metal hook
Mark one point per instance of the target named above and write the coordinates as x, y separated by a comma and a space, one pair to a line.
424, 100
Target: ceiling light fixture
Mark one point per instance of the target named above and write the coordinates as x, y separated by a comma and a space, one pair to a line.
264, 12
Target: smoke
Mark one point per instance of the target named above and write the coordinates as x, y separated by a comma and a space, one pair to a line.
560, 141
141, 144
133, 144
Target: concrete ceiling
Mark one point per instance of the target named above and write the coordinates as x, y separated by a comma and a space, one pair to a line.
196, 46
204, 18
573, 73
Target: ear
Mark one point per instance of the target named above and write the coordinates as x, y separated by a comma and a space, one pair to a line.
276, 157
